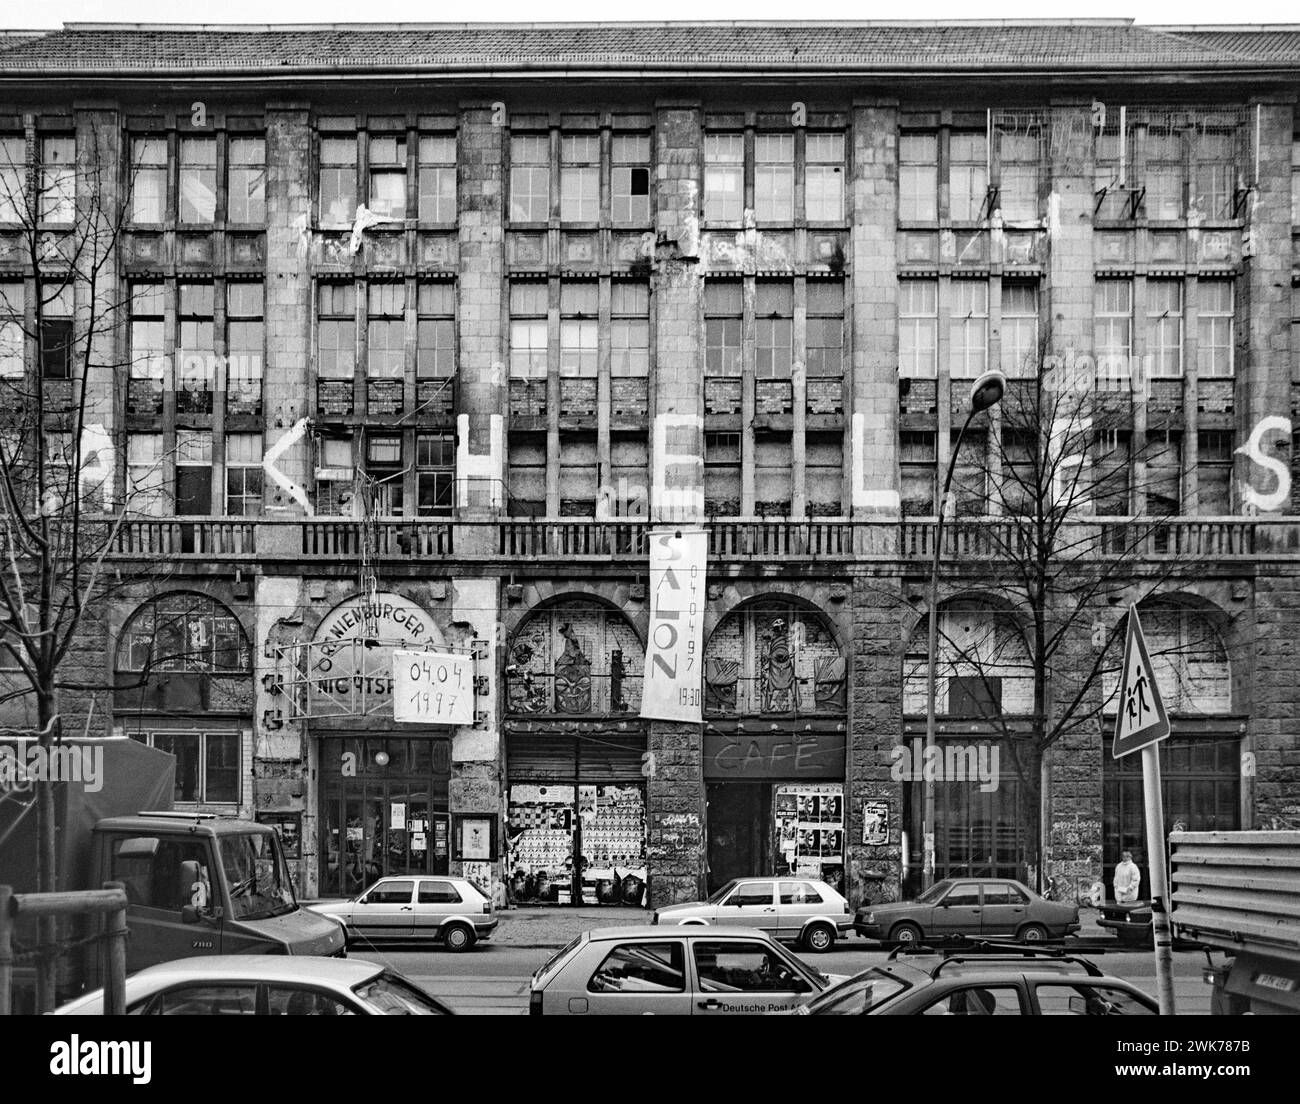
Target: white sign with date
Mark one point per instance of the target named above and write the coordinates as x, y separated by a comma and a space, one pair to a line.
433, 688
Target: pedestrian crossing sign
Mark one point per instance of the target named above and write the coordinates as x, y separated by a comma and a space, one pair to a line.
1141, 718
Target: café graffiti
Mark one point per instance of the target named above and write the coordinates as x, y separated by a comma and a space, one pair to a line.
741, 756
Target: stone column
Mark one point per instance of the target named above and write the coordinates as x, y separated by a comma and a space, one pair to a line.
675, 811
482, 377
875, 727
677, 445
1275, 700
288, 379
872, 295
476, 774
1263, 331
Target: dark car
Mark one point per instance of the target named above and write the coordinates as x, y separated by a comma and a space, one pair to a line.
982, 984
969, 908
1130, 921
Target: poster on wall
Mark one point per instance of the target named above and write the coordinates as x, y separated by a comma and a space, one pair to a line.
433, 688
808, 824
673, 684
540, 827
875, 822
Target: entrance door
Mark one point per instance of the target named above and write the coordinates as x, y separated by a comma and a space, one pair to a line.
739, 821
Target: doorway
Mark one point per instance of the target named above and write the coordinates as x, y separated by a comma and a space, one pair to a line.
740, 827
390, 817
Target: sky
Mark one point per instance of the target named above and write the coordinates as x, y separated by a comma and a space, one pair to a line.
51, 13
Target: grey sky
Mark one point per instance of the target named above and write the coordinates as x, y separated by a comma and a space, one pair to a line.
50, 13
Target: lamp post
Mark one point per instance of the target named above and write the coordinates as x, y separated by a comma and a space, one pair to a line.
984, 393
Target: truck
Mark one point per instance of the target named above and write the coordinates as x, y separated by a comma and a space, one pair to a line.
1239, 892
196, 883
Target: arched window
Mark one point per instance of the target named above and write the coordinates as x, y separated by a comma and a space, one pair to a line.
773, 658
1190, 660
189, 633
576, 657
982, 667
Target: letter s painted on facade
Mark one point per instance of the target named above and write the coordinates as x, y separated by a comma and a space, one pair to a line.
1253, 448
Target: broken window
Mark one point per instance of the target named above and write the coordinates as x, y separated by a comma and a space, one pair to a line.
630, 179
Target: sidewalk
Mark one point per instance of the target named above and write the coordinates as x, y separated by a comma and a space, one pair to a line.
556, 925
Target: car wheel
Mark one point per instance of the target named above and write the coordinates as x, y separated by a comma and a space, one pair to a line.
457, 937
1033, 933
906, 934
819, 938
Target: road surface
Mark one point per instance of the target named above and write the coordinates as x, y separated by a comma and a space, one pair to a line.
493, 980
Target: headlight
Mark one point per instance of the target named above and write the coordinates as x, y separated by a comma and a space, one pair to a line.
870, 918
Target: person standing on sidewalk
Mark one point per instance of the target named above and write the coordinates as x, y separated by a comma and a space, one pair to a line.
1127, 879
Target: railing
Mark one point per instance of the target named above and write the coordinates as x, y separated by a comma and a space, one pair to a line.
730, 539
181, 536
529, 694
331, 538
566, 539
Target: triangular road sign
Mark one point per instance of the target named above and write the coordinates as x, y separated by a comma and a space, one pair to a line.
1141, 717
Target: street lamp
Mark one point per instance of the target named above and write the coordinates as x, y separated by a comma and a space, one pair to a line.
984, 393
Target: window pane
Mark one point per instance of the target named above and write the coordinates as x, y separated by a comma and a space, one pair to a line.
724, 177
58, 184
198, 180
246, 181
918, 173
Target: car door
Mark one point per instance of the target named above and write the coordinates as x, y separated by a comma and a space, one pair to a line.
1003, 910
796, 902
385, 910
958, 913
749, 905
636, 977
745, 977
435, 900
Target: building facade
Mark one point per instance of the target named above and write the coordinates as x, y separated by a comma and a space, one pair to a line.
416, 332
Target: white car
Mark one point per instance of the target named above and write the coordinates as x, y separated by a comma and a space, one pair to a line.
415, 908
800, 910
265, 985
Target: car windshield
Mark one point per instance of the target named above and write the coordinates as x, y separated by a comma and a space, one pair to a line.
857, 995
721, 893
395, 996
258, 879
935, 892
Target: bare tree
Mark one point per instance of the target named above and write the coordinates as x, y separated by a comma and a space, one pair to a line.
61, 508
1068, 505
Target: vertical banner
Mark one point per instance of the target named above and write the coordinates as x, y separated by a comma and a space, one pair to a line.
674, 652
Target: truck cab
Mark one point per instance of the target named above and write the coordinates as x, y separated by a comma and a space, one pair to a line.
200, 884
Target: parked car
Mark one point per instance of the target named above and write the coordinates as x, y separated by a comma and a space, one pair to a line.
266, 985
801, 910
688, 971
1130, 921
414, 909
969, 907
1009, 984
